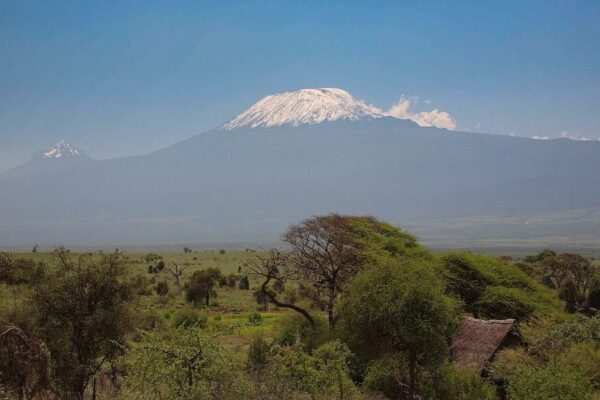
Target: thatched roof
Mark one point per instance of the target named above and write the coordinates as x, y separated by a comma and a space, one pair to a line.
478, 340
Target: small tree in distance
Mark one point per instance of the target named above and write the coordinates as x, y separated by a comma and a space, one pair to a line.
244, 283
201, 286
177, 272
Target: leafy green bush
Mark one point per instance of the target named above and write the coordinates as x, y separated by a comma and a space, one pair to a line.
466, 279
585, 358
563, 335
298, 329
258, 354
149, 320
593, 299
493, 288
554, 382
255, 319
244, 283
502, 302
324, 374
162, 288
567, 353
18, 271
382, 375
182, 364
452, 383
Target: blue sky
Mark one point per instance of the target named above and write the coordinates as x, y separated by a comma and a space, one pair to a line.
120, 78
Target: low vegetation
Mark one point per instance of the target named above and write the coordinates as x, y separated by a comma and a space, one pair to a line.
350, 308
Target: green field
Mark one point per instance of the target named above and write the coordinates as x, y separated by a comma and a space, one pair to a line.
228, 315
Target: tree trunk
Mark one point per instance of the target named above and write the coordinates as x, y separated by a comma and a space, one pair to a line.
273, 300
330, 306
341, 384
330, 317
412, 374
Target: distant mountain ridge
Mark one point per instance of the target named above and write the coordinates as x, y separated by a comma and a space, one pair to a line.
287, 160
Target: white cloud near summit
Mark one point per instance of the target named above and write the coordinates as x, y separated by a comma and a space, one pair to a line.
435, 117
568, 135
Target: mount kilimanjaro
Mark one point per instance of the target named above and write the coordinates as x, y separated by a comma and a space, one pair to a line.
296, 154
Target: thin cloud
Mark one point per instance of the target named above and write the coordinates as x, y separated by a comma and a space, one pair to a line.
567, 135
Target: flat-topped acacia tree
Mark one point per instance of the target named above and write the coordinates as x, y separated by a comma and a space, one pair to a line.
326, 252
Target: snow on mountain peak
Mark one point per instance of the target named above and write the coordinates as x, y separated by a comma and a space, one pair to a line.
304, 106
61, 150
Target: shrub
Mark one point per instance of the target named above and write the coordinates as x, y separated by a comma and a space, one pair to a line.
162, 288
382, 374
255, 319
189, 317
160, 266
492, 288
244, 283
502, 302
140, 285
82, 313
231, 281
571, 296
183, 364
258, 354
299, 330
465, 279
149, 320
452, 383
585, 358
295, 374
18, 271
593, 299
290, 295
553, 382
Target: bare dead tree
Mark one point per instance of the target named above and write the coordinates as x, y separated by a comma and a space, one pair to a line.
274, 267
177, 273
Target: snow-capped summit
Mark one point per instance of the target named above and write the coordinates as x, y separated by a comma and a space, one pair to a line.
304, 106
62, 149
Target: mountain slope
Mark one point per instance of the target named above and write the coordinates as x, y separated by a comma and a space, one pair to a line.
248, 184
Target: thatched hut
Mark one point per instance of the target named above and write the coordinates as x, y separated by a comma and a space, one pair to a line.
478, 341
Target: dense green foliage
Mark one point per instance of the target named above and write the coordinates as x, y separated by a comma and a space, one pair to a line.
576, 277
383, 311
561, 362
182, 364
401, 308
550, 383
82, 312
493, 288
450, 382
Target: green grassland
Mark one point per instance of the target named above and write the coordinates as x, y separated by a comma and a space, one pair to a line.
229, 313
